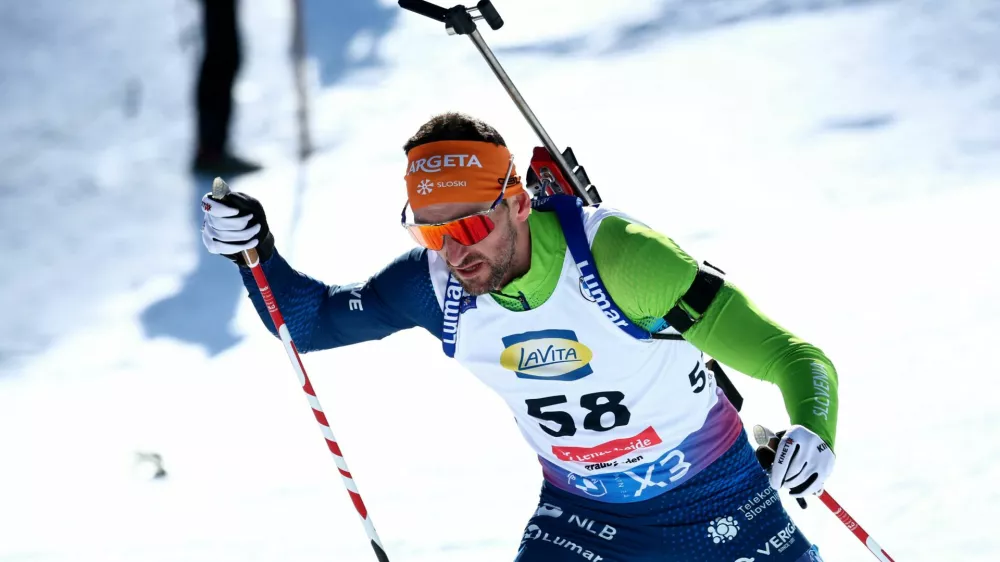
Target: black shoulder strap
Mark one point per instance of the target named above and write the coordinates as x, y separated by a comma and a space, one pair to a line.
698, 297
727, 386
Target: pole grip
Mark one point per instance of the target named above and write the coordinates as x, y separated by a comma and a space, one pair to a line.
490, 14
219, 188
424, 8
219, 191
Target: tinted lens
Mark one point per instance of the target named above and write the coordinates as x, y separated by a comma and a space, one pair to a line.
467, 231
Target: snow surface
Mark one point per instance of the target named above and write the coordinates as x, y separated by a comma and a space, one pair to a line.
840, 160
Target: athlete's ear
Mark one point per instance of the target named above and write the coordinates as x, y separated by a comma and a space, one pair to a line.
520, 207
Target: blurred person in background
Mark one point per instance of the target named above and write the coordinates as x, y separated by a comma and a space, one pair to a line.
220, 64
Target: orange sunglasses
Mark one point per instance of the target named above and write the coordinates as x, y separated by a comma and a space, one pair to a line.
467, 230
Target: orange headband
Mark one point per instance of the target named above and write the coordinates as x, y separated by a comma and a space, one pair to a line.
458, 172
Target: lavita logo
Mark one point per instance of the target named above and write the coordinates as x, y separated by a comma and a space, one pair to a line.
546, 355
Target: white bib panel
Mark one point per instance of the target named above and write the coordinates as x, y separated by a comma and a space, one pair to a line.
611, 416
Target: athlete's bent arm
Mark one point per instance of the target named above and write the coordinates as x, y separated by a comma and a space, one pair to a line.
647, 273
321, 316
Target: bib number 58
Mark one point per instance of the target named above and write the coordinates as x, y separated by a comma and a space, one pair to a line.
605, 411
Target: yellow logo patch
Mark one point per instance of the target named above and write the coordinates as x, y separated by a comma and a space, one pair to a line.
546, 355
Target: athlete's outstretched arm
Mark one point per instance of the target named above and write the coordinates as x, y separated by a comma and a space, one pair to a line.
321, 316
647, 273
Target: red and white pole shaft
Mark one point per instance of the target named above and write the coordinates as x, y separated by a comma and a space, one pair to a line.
854, 527
219, 190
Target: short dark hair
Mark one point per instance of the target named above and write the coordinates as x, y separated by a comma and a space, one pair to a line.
453, 126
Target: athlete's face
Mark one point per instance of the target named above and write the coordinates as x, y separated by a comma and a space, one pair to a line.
498, 258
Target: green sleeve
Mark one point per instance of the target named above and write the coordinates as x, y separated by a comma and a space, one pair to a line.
646, 273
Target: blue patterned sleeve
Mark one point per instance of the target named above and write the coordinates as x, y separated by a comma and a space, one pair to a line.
321, 316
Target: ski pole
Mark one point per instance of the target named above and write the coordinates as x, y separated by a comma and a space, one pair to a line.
460, 20
219, 190
854, 527
767, 441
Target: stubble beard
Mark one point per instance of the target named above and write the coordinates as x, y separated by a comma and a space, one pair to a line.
498, 268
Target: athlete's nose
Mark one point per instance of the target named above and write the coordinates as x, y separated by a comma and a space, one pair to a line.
454, 253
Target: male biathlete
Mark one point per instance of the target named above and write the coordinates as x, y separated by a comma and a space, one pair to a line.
592, 327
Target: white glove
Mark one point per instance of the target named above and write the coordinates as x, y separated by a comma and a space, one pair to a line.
802, 462
234, 224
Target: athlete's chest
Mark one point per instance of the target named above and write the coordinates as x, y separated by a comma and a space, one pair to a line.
567, 343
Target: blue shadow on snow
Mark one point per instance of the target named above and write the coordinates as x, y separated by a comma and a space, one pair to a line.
332, 27
202, 312
866, 122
